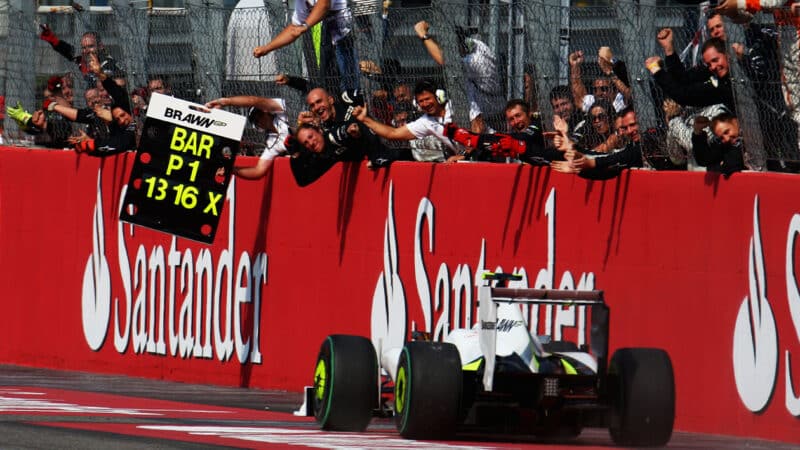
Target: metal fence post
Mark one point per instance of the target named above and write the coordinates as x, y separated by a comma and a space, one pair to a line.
133, 30
207, 24
445, 16
548, 40
18, 74
516, 50
755, 155
638, 32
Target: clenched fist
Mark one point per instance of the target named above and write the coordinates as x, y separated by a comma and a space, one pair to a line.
664, 38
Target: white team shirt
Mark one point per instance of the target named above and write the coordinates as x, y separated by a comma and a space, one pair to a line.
482, 83
275, 144
434, 126
341, 22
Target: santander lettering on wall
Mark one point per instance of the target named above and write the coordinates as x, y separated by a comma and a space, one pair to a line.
689, 262
452, 302
173, 301
756, 344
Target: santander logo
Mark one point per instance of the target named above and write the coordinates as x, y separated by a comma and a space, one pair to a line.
452, 299
96, 292
181, 302
755, 337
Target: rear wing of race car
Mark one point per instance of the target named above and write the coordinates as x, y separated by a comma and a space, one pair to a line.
489, 297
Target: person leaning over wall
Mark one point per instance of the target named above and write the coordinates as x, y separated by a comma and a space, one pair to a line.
96, 115
91, 44
524, 142
725, 152
563, 105
433, 102
596, 165
122, 129
705, 88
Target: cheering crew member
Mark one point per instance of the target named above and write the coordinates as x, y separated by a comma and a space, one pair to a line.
96, 116
90, 45
525, 141
57, 129
596, 165
705, 88
523, 146
122, 129
315, 150
331, 112
724, 154
436, 113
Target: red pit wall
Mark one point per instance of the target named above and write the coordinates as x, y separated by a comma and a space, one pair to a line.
362, 251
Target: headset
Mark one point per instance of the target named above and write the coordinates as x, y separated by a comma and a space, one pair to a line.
427, 86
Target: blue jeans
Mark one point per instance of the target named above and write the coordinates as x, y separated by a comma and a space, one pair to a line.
340, 59
347, 63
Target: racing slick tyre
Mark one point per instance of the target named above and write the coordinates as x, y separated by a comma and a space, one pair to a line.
345, 383
642, 395
427, 391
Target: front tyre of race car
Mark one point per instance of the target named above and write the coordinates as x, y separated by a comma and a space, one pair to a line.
642, 394
428, 388
345, 383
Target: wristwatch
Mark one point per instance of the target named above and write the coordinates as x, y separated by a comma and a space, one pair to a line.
425, 37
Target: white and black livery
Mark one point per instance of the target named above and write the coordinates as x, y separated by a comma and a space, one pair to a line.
499, 378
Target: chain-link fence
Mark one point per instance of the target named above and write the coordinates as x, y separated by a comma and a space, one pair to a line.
492, 51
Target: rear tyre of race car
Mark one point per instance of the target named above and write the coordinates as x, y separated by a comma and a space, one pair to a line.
345, 383
642, 395
428, 388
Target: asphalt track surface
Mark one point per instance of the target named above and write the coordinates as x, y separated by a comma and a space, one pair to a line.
46, 409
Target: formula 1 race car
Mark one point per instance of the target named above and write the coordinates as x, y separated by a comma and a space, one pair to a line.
498, 377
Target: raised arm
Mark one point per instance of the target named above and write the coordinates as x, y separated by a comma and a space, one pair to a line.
672, 61
610, 68
298, 83
68, 112
117, 92
63, 48
381, 129
253, 172
421, 28
284, 38
575, 81
318, 12
295, 29
691, 94
262, 103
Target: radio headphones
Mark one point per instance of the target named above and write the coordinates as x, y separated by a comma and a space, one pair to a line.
427, 86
